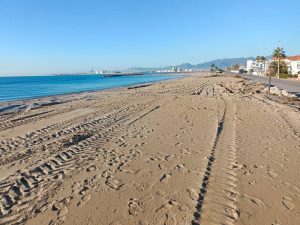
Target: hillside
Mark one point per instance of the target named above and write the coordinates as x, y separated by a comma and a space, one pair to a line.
221, 63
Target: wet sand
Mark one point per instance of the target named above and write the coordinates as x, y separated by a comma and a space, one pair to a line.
198, 150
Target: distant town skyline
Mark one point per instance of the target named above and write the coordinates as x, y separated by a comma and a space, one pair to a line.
72, 36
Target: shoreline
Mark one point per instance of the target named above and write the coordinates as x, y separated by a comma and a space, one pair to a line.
72, 94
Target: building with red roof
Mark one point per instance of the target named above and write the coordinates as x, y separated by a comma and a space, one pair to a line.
293, 63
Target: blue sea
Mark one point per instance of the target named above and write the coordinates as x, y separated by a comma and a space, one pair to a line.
26, 87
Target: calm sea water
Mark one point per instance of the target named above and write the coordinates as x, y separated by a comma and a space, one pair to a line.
17, 88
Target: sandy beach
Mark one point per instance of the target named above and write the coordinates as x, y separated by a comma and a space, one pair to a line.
198, 150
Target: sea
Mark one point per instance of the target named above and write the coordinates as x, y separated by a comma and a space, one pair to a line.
27, 87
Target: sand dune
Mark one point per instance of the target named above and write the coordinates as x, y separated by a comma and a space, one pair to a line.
199, 150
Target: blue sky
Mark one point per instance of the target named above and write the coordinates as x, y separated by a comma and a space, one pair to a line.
57, 36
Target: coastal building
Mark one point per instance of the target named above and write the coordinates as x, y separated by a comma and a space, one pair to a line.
260, 68
173, 69
257, 67
293, 63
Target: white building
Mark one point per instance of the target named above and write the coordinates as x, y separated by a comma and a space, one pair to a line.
293, 63
257, 68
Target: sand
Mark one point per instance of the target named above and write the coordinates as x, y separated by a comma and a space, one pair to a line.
198, 150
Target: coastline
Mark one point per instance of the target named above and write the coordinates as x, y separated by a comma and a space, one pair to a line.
185, 151
71, 94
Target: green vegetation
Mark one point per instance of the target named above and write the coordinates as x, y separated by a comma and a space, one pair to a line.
273, 69
218, 70
235, 67
287, 76
213, 67
261, 59
278, 55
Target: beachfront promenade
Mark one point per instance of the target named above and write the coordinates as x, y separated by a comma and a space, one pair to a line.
289, 85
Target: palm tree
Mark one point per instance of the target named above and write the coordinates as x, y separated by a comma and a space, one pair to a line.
258, 59
212, 67
279, 54
235, 67
264, 59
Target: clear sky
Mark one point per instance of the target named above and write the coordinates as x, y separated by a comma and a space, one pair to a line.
57, 36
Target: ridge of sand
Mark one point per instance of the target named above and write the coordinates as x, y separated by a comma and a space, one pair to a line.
198, 150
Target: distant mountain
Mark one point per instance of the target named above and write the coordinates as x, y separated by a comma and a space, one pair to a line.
140, 69
221, 63
184, 66
224, 63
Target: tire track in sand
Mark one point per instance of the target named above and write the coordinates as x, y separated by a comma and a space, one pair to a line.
23, 192
56, 130
217, 198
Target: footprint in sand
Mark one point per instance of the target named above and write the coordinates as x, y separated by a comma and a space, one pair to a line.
163, 215
84, 199
143, 222
153, 159
180, 167
57, 206
113, 183
253, 200
185, 152
107, 173
178, 144
168, 157
180, 207
134, 206
261, 166
287, 202
139, 186
232, 194
293, 188
128, 171
238, 166
276, 222
164, 178
75, 187
63, 212
272, 174
232, 213
183, 208
91, 168
161, 193
248, 172
170, 219
161, 167
252, 182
